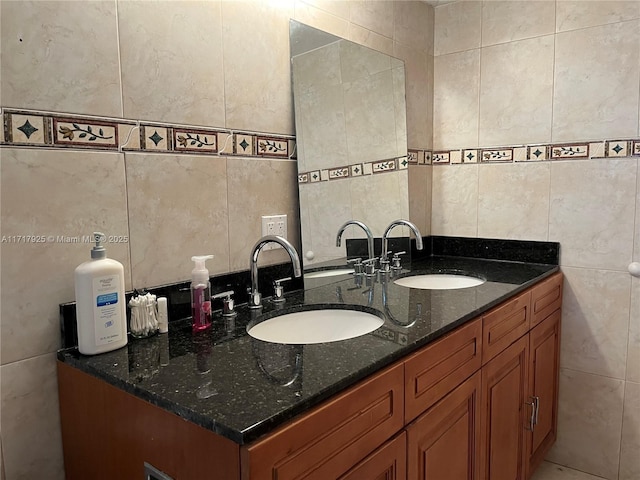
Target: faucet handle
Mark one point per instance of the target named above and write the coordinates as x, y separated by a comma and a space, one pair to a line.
278, 296
370, 267
385, 262
255, 298
396, 260
228, 303
357, 265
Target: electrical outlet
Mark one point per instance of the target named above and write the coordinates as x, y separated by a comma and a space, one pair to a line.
274, 225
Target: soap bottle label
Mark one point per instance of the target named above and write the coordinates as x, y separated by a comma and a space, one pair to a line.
106, 309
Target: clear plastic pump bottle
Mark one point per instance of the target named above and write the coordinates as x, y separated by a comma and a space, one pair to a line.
200, 294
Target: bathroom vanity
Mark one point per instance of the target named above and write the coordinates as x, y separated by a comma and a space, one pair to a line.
457, 384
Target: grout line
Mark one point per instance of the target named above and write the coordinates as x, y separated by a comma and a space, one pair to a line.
227, 164
575, 469
222, 49
631, 312
553, 77
119, 60
593, 374
121, 146
126, 202
481, 48
610, 270
624, 394
553, 90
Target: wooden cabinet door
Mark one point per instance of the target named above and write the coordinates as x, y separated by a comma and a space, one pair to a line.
330, 439
389, 462
544, 344
505, 412
443, 443
108, 433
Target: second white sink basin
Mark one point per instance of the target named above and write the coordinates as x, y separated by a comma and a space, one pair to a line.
439, 281
316, 326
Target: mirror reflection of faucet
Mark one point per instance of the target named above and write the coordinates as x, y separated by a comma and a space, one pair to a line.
384, 258
370, 267
357, 265
281, 364
339, 294
370, 291
367, 231
390, 315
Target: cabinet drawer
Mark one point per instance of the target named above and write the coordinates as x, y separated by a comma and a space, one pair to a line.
333, 437
546, 298
504, 325
440, 367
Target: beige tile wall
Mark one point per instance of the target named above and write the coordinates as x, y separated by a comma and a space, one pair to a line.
86, 73
215, 64
172, 77
513, 73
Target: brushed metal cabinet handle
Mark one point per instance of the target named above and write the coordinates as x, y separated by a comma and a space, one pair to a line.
532, 417
536, 400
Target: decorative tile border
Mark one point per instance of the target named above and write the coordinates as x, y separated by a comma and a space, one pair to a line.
191, 140
496, 155
418, 157
355, 170
384, 166
617, 148
539, 152
244, 144
441, 158
49, 129
272, 147
570, 151
155, 138
24, 128
470, 155
82, 133
341, 172
536, 153
29, 128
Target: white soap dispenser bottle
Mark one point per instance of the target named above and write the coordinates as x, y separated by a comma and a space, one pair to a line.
100, 302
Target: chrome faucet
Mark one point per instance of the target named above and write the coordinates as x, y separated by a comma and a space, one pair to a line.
384, 261
362, 226
255, 299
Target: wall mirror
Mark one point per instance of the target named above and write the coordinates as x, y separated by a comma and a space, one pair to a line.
351, 132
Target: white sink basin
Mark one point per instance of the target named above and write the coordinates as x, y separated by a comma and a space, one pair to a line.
439, 281
329, 273
316, 326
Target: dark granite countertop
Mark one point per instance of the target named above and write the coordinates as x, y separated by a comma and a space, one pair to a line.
242, 388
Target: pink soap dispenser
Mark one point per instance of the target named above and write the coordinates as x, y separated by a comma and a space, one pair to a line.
200, 294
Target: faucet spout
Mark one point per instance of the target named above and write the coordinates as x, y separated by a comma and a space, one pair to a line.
254, 296
395, 223
363, 227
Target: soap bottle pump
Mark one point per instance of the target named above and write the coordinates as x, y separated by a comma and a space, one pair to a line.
200, 294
